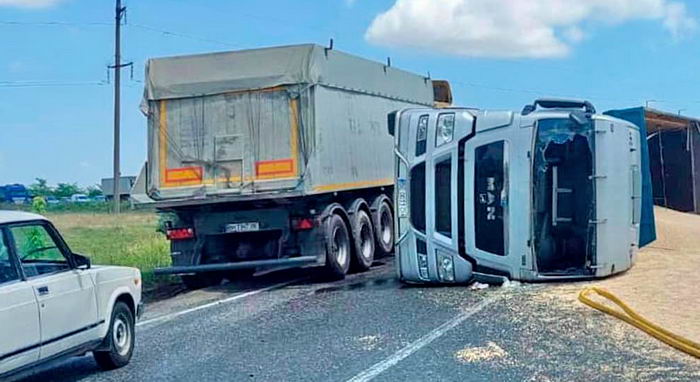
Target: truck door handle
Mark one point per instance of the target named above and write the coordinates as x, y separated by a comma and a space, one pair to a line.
43, 290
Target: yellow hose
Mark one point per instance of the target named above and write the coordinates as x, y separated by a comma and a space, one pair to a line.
633, 318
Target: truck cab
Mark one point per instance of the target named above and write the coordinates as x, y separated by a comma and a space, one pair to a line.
553, 192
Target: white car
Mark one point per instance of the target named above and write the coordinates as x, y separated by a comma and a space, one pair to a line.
54, 304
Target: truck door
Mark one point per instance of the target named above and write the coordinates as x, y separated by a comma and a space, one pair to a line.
617, 172
487, 179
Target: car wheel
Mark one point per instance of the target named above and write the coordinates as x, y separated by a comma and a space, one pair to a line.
202, 280
363, 237
338, 247
120, 339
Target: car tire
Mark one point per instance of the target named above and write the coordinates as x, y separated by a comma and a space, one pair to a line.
338, 247
384, 227
120, 339
363, 238
203, 280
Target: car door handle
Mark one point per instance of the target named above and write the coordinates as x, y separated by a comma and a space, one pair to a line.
43, 290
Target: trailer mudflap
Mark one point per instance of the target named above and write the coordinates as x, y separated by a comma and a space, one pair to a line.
190, 269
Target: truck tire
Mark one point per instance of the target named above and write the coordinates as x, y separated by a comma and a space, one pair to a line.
384, 227
202, 280
120, 339
338, 247
363, 238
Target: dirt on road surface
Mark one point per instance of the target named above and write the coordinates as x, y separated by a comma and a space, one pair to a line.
664, 284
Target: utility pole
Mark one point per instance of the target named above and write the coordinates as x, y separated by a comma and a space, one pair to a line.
120, 12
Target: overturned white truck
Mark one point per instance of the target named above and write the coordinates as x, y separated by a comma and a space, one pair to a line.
275, 157
554, 192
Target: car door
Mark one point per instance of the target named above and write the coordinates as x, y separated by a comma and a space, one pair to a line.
66, 295
20, 337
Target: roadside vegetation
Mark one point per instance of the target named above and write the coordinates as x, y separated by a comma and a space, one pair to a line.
130, 239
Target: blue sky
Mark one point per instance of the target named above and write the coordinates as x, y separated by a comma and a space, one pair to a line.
495, 58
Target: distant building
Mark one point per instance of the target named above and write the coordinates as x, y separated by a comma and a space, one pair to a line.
125, 185
674, 156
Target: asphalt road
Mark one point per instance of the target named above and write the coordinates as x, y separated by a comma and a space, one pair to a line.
289, 326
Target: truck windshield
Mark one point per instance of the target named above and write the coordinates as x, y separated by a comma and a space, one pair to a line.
563, 196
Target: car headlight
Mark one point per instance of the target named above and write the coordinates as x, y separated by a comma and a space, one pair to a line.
446, 269
445, 129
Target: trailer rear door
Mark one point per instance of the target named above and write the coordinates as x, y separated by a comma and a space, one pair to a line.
238, 142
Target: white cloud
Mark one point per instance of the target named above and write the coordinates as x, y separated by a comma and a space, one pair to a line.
29, 3
513, 28
677, 21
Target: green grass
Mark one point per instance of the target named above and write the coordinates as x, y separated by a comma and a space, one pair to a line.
129, 239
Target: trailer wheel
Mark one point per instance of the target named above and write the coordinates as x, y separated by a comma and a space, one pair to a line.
384, 227
338, 249
202, 280
363, 237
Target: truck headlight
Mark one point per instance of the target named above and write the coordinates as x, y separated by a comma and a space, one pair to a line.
446, 269
445, 129
423, 265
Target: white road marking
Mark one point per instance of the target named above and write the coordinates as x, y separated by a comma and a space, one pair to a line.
413, 347
170, 316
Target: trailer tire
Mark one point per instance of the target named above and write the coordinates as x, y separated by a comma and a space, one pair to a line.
338, 247
202, 280
363, 238
384, 227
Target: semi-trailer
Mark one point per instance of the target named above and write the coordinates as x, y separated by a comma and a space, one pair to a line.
275, 157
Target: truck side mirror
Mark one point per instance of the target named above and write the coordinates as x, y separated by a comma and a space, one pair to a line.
579, 118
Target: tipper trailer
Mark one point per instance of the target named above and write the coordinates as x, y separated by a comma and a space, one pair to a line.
554, 192
275, 157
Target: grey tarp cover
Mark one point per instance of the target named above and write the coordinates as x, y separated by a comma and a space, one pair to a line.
216, 73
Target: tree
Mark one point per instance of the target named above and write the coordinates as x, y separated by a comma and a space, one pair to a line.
40, 188
65, 190
93, 191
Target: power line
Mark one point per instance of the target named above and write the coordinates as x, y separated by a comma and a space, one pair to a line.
51, 23
34, 84
182, 35
139, 26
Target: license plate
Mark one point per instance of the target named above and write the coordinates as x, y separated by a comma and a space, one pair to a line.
402, 199
242, 227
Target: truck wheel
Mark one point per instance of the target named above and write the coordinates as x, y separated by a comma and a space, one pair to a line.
120, 339
203, 280
338, 249
363, 237
384, 227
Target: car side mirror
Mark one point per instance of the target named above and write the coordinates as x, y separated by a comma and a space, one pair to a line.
82, 261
